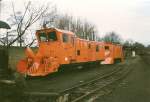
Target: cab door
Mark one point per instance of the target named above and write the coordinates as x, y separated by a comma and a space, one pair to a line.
72, 48
69, 47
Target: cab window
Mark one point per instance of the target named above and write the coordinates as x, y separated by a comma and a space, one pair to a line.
42, 37
52, 36
65, 38
97, 48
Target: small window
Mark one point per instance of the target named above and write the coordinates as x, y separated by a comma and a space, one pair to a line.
106, 47
89, 46
97, 48
78, 52
42, 37
65, 38
72, 40
52, 36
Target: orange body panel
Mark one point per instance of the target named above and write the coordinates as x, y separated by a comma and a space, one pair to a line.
59, 47
112, 52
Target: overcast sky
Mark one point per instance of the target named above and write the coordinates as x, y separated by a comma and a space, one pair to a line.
129, 18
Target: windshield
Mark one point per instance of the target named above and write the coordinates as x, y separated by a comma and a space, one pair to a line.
52, 36
42, 37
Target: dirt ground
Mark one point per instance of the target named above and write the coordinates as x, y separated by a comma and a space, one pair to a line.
135, 87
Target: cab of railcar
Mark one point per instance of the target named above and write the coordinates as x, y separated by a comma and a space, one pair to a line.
48, 41
57, 43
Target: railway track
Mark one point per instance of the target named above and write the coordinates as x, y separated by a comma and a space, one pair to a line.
80, 93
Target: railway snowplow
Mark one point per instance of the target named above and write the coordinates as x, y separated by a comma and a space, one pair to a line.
36, 64
62, 48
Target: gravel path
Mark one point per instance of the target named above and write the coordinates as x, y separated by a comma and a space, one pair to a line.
135, 87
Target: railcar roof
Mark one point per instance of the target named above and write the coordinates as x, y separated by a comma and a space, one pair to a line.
59, 30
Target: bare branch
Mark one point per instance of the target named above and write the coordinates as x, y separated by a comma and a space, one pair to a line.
30, 44
29, 17
14, 13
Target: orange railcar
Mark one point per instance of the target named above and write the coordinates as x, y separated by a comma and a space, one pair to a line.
59, 47
113, 53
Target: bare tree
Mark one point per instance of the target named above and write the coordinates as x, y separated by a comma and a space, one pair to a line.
23, 21
6, 38
129, 43
49, 18
81, 28
64, 22
112, 37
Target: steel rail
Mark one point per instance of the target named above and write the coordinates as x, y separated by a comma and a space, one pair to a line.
99, 88
91, 81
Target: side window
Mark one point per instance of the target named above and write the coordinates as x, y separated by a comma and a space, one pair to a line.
72, 40
89, 46
42, 37
78, 52
97, 48
52, 36
106, 47
65, 38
